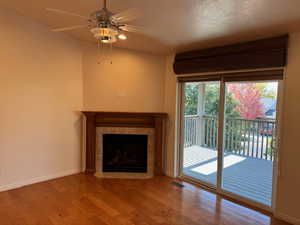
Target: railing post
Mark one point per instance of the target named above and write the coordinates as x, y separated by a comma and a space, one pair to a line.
200, 113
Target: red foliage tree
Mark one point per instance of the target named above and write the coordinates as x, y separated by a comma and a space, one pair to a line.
248, 97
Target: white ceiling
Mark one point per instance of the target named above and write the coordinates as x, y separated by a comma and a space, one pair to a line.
176, 25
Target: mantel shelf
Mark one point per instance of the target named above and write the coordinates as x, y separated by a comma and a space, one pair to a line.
160, 114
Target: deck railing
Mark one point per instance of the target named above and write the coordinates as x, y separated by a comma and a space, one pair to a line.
247, 137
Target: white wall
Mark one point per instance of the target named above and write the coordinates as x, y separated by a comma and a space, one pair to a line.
288, 196
41, 94
134, 82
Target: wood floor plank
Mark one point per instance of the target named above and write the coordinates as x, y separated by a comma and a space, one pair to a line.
86, 200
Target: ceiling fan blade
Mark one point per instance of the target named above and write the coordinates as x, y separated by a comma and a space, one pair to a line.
126, 16
69, 28
66, 13
131, 28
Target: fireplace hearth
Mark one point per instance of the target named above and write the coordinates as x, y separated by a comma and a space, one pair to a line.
125, 153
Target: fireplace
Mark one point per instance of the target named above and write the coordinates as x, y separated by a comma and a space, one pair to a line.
99, 124
125, 153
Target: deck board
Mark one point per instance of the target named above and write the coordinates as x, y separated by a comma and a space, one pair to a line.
245, 176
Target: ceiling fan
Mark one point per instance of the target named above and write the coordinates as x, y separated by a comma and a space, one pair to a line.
105, 26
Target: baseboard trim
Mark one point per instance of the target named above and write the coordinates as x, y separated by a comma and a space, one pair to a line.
38, 179
287, 218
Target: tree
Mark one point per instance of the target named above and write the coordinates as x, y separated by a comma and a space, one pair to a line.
248, 96
212, 93
268, 90
191, 98
211, 104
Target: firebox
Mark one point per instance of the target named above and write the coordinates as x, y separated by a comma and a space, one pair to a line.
125, 153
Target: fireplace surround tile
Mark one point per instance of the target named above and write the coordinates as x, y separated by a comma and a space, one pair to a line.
100, 131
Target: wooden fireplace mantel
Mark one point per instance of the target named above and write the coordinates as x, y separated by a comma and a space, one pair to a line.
124, 119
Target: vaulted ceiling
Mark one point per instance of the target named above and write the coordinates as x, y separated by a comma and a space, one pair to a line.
176, 25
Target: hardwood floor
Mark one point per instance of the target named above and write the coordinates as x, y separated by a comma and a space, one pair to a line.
86, 200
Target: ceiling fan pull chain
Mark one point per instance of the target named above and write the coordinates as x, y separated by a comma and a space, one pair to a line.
99, 51
111, 51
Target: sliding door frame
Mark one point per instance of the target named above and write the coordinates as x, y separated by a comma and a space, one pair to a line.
276, 165
181, 127
218, 187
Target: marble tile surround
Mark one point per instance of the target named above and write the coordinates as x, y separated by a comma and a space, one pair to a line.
124, 130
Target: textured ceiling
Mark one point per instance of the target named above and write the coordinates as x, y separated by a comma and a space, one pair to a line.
176, 25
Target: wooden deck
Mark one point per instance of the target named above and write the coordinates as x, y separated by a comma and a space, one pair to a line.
245, 176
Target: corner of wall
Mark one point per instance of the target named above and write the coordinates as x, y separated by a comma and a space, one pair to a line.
170, 106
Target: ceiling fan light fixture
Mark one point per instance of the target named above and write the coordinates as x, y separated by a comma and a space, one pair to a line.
106, 35
108, 39
103, 32
122, 36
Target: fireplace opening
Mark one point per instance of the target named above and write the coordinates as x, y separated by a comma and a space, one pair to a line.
125, 153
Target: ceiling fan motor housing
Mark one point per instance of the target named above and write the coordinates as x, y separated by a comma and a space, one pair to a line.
101, 16
104, 29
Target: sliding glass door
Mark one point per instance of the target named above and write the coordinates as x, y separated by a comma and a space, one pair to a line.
201, 110
242, 116
248, 138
